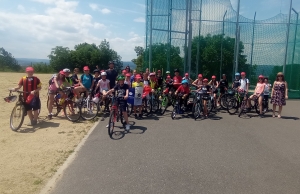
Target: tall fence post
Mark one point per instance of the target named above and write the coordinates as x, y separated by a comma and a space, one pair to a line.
223, 34
236, 41
151, 26
147, 27
252, 45
199, 40
190, 38
295, 37
186, 33
287, 38
169, 34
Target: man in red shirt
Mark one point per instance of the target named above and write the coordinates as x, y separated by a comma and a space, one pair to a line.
177, 79
31, 85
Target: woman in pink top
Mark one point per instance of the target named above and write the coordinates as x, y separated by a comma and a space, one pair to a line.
258, 93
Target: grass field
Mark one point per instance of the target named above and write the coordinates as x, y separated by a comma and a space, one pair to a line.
31, 156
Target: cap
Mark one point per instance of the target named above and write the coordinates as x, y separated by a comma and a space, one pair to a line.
103, 73
29, 69
96, 70
86, 68
261, 76
186, 74
168, 72
138, 76
124, 71
205, 80
213, 77
200, 76
279, 73
243, 73
62, 73
128, 75
152, 74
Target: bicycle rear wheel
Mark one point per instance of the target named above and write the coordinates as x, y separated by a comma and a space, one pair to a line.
72, 111
89, 110
232, 106
111, 123
17, 117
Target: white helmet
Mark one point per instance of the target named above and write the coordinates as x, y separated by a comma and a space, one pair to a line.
66, 70
103, 73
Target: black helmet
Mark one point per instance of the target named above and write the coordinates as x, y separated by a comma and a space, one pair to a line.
96, 70
111, 62
176, 70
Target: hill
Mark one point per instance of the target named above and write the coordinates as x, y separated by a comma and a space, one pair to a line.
29, 61
130, 64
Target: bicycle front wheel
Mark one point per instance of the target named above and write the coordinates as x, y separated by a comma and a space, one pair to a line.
196, 110
17, 117
242, 108
89, 110
173, 115
111, 123
164, 104
72, 111
232, 106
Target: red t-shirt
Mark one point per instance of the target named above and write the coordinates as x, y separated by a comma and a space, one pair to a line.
183, 90
177, 81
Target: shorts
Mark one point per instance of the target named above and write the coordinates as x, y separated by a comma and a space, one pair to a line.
205, 97
215, 91
123, 105
35, 106
138, 101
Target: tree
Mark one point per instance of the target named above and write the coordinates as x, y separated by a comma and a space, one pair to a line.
140, 58
42, 68
8, 62
60, 58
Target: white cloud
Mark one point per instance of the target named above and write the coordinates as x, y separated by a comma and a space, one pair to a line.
99, 26
93, 6
140, 19
21, 8
105, 11
45, 1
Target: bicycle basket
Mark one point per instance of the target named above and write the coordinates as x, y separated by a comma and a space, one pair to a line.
10, 99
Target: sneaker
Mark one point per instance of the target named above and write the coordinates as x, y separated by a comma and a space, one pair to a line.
33, 122
135, 116
127, 127
261, 116
50, 116
107, 126
141, 116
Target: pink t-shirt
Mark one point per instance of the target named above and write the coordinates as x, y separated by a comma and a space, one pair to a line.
259, 88
103, 84
53, 86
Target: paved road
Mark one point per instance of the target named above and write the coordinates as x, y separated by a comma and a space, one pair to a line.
223, 154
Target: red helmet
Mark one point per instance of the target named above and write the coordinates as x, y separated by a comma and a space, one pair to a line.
200, 76
261, 76
158, 71
205, 80
124, 71
186, 74
29, 69
243, 73
213, 77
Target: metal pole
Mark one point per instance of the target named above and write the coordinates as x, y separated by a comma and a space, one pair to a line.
252, 45
145, 56
150, 46
236, 37
223, 34
199, 35
170, 35
186, 33
295, 38
190, 38
168, 41
287, 38
237, 50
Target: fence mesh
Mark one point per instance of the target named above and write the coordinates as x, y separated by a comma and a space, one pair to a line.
264, 41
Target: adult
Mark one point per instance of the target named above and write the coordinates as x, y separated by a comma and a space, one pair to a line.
127, 68
223, 87
244, 82
198, 82
177, 79
74, 77
111, 74
31, 85
279, 93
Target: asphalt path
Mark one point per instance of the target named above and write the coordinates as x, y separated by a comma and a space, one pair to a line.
221, 154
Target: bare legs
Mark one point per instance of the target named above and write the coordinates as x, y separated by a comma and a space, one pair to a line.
279, 111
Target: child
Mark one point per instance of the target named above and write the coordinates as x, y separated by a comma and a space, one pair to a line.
139, 86
206, 91
169, 85
267, 92
104, 86
185, 91
97, 78
258, 93
127, 80
122, 91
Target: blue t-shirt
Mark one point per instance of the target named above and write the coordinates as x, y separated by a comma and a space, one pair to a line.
87, 80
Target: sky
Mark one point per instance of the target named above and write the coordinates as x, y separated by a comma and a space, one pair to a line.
31, 28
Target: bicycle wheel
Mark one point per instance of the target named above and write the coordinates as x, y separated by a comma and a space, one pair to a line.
209, 106
173, 115
256, 107
56, 108
196, 110
17, 117
147, 106
154, 105
164, 104
223, 101
72, 111
242, 108
111, 123
232, 106
89, 110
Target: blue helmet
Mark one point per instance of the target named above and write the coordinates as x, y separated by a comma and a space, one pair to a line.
237, 74
184, 82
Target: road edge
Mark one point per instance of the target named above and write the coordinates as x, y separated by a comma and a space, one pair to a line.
58, 175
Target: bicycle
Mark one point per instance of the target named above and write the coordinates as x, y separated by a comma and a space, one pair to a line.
115, 115
177, 108
235, 103
228, 95
197, 106
244, 109
89, 108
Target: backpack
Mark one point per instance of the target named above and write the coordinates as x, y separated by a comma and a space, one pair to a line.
51, 80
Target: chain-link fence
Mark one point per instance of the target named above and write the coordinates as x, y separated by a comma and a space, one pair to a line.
200, 36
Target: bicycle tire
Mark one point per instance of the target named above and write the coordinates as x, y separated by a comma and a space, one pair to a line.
154, 105
56, 107
89, 110
164, 104
173, 114
223, 100
111, 123
209, 106
232, 107
21, 115
242, 108
196, 110
256, 107
72, 107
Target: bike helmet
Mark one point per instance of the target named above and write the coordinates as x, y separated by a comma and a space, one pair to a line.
237, 74
66, 70
176, 70
168, 72
184, 82
243, 73
121, 77
103, 74
205, 80
213, 77
200, 76
261, 76
152, 74
10, 98
96, 70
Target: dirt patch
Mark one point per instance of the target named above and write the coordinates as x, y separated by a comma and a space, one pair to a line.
31, 156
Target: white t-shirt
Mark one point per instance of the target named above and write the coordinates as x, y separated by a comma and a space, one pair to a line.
267, 89
103, 84
244, 83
